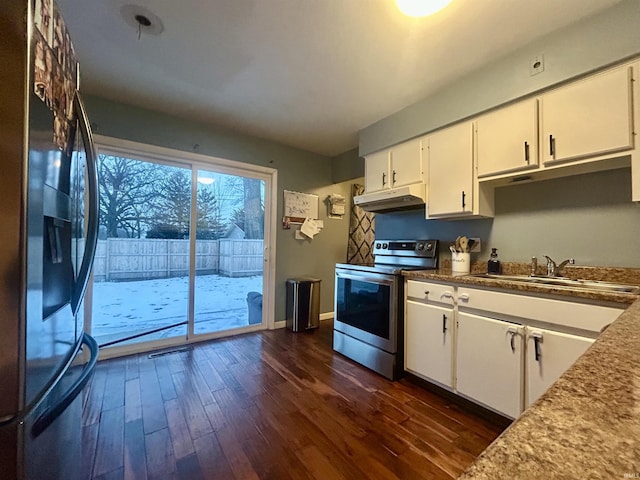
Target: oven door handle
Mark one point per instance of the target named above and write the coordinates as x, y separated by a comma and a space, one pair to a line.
384, 280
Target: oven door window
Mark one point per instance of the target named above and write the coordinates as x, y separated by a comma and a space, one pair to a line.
364, 305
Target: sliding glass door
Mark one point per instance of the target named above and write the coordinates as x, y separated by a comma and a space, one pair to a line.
140, 277
181, 253
229, 251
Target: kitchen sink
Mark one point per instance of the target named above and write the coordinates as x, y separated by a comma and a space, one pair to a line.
565, 282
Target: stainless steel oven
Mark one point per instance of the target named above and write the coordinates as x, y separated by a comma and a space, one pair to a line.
366, 307
369, 312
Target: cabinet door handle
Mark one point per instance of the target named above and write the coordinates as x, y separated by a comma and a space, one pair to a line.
393, 179
426, 292
446, 294
537, 340
463, 197
526, 152
384, 179
513, 332
464, 297
444, 323
552, 146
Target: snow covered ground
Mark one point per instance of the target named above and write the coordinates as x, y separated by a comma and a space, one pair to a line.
122, 309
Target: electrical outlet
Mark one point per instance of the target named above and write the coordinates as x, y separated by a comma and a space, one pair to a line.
536, 65
476, 245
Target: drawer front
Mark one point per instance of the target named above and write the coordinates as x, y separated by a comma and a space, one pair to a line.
557, 312
430, 292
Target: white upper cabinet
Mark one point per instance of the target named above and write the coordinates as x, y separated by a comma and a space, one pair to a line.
453, 189
406, 163
450, 191
396, 167
507, 139
590, 117
584, 126
376, 171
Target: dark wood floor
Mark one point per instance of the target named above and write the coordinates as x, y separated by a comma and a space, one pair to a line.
272, 405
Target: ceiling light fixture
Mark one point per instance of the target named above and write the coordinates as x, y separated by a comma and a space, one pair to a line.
142, 19
421, 8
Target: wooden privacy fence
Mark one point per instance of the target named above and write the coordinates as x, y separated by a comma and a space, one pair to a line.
240, 258
142, 259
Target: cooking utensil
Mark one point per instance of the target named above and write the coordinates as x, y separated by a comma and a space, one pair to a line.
457, 245
464, 244
472, 242
452, 249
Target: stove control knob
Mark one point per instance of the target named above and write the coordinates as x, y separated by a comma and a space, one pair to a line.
378, 245
429, 246
420, 247
384, 245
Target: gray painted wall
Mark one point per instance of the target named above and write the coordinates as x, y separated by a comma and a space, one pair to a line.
318, 257
347, 166
297, 170
588, 217
588, 45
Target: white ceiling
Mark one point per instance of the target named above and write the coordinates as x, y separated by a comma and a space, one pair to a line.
305, 73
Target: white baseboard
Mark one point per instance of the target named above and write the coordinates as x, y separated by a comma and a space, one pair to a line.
283, 323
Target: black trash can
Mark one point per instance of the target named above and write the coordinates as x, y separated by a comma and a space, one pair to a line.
303, 303
254, 304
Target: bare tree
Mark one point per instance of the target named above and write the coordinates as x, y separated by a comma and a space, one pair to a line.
173, 209
210, 225
127, 194
237, 217
253, 209
138, 197
228, 191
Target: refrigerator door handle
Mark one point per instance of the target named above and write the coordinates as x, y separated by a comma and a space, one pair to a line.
93, 206
50, 414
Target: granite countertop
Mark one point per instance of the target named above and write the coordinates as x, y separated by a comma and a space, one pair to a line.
587, 425
618, 275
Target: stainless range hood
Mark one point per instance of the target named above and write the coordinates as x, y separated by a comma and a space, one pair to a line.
401, 198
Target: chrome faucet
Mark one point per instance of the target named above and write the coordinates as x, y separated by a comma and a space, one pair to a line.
554, 270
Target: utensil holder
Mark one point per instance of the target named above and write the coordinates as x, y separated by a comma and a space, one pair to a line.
460, 263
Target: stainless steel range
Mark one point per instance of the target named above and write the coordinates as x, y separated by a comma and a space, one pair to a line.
369, 311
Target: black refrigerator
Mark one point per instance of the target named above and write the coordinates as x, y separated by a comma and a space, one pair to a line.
48, 234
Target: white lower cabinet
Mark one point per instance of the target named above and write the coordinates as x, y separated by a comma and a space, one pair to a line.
428, 346
489, 362
495, 352
549, 355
